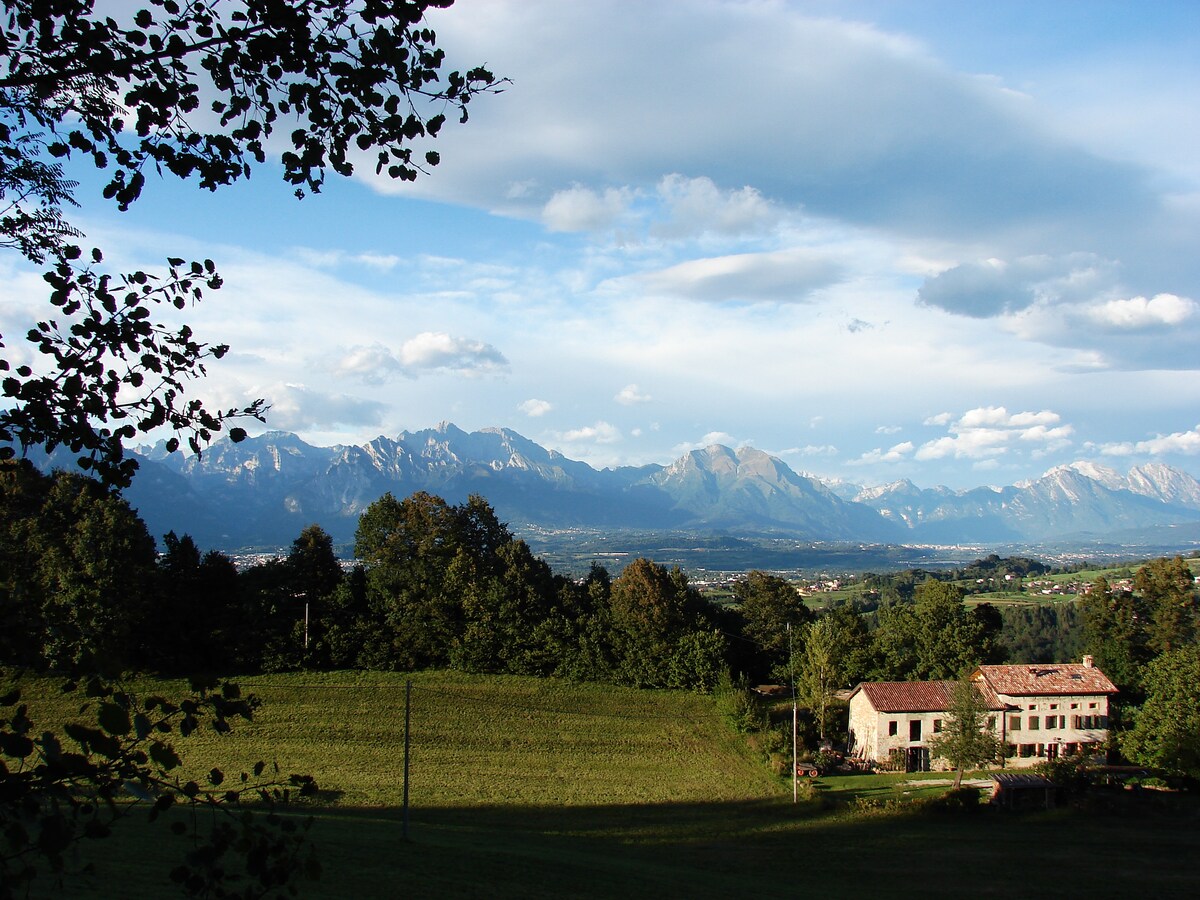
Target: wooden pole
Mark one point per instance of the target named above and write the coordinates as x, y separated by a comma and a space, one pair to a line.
795, 758
407, 721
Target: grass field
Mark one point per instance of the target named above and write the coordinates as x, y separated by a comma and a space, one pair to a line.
530, 788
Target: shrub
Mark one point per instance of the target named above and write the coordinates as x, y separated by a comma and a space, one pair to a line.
958, 800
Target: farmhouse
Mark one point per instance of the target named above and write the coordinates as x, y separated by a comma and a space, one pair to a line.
1039, 711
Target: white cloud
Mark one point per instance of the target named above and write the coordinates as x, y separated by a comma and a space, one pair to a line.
583, 209
986, 432
940, 419
428, 351
600, 433
999, 416
438, 350
888, 429
1182, 442
296, 407
630, 395
780, 276
535, 408
894, 454
712, 439
372, 364
697, 206
1162, 310
810, 450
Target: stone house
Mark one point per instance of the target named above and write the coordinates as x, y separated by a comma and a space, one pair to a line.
1040, 711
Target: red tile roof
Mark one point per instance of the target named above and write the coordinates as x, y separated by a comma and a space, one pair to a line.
918, 696
1052, 678
908, 696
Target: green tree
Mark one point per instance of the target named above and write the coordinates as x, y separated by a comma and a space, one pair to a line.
1114, 632
965, 739
654, 619
820, 671
193, 91
407, 547
1168, 589
79, 564
768, 605
1166, 730
936, 638
504, 616
198, 619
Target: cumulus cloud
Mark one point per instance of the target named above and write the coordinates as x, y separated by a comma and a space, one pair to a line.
810, 450
631, 394
1160, 311
1182, 442
888, 429
583, 209
438, 350
535, 408
987, 432
296, 407
428, 351
999, 416
712, 439
896, 453
697, 206
780, 276
994, 287
372, 364
600, 433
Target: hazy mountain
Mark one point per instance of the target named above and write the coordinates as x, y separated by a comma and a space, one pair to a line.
1077, 499
263, 491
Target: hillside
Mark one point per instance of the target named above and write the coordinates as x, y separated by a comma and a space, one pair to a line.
540, 789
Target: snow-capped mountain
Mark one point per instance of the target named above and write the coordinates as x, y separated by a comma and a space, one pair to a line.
264, 490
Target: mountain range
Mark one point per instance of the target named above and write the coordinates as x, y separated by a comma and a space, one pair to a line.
263, 491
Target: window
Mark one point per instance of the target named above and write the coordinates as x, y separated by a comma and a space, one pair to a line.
991, 723
1074, 706
937, 726
1054, 706
893, 728
1092, 706
914, 730
1053, 721
1033, 723
1027, 750
1014, 723
1033, 706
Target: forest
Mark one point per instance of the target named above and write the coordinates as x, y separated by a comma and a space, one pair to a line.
439, 585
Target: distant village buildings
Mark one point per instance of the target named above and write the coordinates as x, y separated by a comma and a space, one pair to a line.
1039, 712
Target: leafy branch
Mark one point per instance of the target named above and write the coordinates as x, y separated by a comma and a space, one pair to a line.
60, 790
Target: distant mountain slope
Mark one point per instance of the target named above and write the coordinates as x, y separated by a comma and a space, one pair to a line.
263, 491
1077, 499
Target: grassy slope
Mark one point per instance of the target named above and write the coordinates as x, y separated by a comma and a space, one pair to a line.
525, 788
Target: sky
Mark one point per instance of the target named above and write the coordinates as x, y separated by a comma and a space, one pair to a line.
943, 241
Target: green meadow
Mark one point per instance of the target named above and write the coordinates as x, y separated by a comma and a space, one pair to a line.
538, 788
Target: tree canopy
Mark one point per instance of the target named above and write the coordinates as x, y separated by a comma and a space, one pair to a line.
966, 739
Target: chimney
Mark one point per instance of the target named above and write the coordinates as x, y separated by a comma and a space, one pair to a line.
1089, 661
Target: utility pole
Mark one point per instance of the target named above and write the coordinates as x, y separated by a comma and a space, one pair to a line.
407, 720
792, 676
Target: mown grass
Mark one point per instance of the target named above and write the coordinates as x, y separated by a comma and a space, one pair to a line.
528, 788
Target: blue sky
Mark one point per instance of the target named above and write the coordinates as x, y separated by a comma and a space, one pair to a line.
944, 241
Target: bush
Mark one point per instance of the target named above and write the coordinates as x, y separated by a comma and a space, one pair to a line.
957, 800
1071, 772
